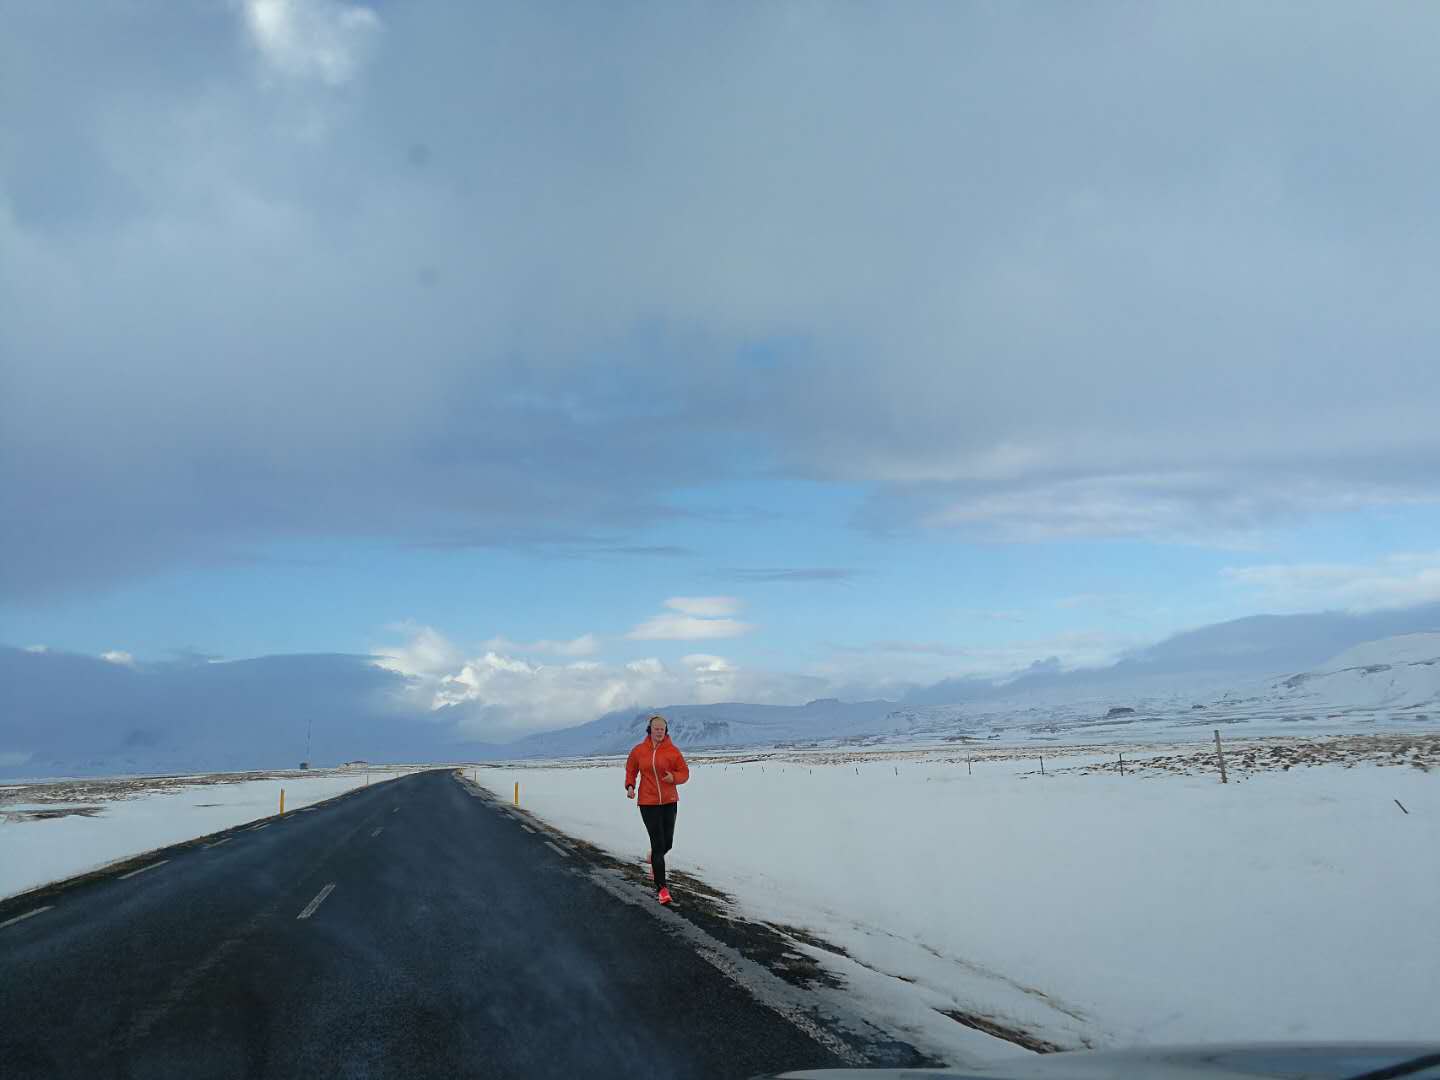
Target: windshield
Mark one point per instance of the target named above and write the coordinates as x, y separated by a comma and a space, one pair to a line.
715, 538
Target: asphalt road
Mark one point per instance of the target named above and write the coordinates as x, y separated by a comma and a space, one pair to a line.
408, 929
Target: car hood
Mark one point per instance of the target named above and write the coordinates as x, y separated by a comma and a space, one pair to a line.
1234, 1061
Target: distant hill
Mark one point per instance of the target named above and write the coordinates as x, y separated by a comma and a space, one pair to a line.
731, 724
1252, 646
1399, 674
1391, 683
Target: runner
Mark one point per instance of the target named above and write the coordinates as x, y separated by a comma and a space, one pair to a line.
661, 769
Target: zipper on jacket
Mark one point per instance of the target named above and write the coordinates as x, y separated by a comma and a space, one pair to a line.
654, 753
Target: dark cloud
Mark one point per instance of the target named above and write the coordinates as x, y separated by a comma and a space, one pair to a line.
559, 545
65, 714
524, 272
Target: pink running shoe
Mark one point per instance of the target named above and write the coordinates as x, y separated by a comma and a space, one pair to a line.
664, 896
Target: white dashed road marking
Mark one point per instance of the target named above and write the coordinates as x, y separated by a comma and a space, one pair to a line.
527, 828
377, 831
556, 849
319, 899
217, 843
22, 918
142, 869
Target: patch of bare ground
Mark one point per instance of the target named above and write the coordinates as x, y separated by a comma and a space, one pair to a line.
49, 814
991, 1026
1245, 757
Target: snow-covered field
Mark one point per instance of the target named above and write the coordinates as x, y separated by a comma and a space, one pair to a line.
1084, 907
1081, 907
57, 829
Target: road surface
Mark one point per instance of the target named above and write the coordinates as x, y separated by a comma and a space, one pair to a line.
407, 929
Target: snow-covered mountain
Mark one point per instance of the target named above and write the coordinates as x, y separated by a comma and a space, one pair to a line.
1398, 674
63, 714
1391, 684
731, 724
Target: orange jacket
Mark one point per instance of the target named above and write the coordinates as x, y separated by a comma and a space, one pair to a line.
652, 762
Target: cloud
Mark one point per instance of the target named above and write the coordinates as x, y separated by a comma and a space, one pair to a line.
1189, 314
77, 715
924, 648
705, 662
118, 656
498, 696
685, 628
557, 545
325, 40
700, 619
428, 652
584, 645
704, 606
1396, 581
891, 666
790, 574
1180, 505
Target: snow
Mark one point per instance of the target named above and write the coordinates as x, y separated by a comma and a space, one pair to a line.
1344, 695
1402, 649
1082, 907
1087, 909
141, 816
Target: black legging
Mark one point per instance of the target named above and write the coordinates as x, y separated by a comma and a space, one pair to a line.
660, 824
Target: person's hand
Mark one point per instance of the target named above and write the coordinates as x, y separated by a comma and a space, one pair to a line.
669, 777
630, 792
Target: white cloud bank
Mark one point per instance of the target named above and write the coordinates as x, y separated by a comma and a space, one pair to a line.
1395, 581
584, 645
500, 696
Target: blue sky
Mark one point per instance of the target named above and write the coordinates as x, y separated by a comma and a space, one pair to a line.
859, 347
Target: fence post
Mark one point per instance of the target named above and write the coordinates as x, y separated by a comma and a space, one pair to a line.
282, 802
1122, 764
1042, 764
1220, 753
517, 792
